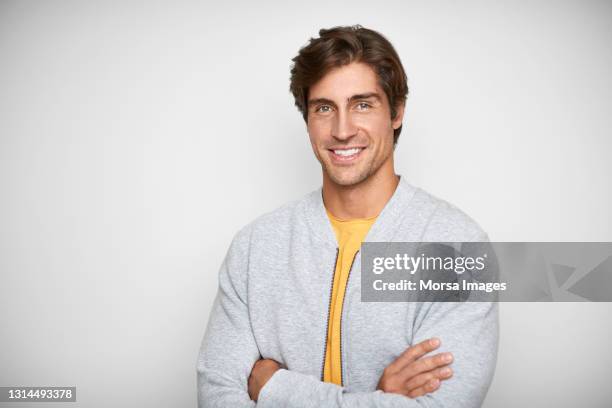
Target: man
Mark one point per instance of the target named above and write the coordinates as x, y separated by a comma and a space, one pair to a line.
288, 328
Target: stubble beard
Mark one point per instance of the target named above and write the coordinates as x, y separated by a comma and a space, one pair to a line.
355, 176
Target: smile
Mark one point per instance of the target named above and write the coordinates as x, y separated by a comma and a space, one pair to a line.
346, 155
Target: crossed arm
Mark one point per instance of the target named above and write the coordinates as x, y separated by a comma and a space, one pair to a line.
411, 374
229, 360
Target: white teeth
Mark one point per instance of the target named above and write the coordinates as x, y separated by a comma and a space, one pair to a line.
347, 152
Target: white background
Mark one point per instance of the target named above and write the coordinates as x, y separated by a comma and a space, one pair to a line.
137, 138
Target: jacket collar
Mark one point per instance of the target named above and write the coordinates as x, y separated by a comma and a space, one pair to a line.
382, 229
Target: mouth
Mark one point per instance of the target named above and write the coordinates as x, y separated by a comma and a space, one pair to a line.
346, 155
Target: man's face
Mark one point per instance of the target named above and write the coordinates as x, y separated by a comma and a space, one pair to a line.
349, 124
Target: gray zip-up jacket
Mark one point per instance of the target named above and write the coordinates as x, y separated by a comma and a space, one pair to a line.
273, 301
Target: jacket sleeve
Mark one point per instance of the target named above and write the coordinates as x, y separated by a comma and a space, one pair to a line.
468, 330
228, 349
290, 389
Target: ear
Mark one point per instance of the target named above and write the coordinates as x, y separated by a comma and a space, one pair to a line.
399, 117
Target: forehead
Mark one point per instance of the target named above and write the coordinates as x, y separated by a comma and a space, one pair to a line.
343, 82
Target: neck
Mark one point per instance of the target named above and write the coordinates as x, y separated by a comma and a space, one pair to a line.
363, 200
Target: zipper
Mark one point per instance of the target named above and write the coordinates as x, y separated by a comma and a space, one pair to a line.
331, 288
348, 278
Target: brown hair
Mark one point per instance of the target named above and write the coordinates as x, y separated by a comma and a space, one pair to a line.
340, 46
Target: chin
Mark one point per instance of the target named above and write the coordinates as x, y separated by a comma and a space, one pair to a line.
347, 179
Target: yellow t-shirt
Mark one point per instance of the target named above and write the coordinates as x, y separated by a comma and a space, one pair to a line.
350, 234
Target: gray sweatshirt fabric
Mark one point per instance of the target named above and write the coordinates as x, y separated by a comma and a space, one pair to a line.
273, 301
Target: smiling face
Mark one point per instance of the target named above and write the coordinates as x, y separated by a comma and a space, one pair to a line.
350, 125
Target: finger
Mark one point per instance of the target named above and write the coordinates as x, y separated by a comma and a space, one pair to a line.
442, 373
429, 387
426, 364
414, 352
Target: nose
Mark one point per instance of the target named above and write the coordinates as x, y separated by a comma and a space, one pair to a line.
343, 127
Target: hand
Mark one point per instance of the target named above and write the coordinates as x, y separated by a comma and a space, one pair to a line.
262, 371
413, 376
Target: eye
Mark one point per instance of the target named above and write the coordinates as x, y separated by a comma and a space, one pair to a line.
323, 109
363, 106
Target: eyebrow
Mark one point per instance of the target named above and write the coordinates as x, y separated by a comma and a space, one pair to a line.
366, 95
